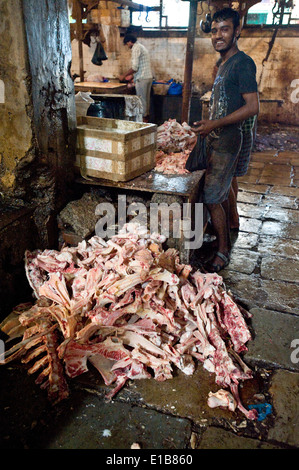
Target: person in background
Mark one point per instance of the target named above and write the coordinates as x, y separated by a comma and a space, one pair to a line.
141, 70
234, 99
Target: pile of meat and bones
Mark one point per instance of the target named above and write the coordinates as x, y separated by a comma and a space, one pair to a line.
133, 311
174, 144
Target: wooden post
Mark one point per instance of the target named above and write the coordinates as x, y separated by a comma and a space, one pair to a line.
189, 61
77, 14
80, 44
135, 5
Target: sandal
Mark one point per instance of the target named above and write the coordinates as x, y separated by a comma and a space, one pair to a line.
215, 268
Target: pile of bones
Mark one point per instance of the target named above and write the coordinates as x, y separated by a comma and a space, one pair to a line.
174, 144
133, 311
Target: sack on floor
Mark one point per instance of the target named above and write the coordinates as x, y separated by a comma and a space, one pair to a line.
197, 159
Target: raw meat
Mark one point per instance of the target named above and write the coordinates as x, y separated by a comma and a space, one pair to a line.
222, 398
174, 144
174, 137
39, 349
172, 163
133, 311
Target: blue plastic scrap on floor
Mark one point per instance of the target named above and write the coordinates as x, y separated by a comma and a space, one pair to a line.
263, 409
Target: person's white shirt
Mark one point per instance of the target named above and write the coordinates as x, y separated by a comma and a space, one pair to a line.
141, 62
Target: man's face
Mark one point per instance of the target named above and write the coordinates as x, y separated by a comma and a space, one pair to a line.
130, 44
224, 35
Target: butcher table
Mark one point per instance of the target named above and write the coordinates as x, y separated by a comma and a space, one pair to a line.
101, 88
187, 187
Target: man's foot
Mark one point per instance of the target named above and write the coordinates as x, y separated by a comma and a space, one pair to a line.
220, 262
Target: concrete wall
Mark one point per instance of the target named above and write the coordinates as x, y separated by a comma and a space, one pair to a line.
37, 112
16, 136
50, 55
168, 61
37, 134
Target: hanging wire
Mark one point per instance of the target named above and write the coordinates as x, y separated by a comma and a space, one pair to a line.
199, 14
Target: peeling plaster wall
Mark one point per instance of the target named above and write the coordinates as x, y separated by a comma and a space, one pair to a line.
37, 134
50, 56
38, 116
16, 133
37, 111
54, 113
168, 61
274, 78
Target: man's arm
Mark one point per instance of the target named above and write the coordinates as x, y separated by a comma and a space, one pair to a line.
134, 64
250, 108
129, 72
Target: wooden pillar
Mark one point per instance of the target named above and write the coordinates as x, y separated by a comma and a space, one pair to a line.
77, 14
189, 61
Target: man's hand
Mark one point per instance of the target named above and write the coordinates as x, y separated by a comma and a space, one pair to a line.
125, 76
251, 108
204, 127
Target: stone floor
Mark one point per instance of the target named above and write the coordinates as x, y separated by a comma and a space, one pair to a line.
264, 276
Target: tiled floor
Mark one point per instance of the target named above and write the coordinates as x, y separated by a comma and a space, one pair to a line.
267, 246
275, 169
263, 275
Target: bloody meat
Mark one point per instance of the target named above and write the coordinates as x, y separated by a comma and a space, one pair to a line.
114, 304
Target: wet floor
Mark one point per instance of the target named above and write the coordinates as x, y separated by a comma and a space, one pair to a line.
264, 277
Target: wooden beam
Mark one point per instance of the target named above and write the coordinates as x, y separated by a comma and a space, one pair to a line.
189, 62
79, 31
135, 6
